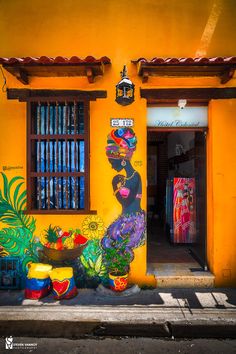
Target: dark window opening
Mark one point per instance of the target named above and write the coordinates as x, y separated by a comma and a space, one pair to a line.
58, 158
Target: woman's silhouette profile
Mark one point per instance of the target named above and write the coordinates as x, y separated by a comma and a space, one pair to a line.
127, 189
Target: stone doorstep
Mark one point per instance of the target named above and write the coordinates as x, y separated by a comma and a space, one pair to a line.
184, 281
92, 321
179, 275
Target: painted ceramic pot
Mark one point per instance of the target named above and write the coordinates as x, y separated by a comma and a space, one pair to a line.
38, 283
63, 284
118, 282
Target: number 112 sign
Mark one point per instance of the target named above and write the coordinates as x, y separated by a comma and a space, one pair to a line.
122, 122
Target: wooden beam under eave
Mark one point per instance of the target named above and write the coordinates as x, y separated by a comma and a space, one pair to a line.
90, 76
145, 77
227, 75
22, 76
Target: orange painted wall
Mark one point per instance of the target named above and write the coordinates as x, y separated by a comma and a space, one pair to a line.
222, 191
123, 31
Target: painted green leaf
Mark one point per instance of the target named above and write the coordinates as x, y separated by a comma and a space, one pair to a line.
14, 240
12, 210
98, 263
17, 239
5, 186
84, 262
15, 196
91, 273
103, 270
14, 179
91, 263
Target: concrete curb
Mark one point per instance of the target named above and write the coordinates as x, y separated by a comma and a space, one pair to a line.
93, 321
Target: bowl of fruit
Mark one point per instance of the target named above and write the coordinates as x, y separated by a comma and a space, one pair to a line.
59, 245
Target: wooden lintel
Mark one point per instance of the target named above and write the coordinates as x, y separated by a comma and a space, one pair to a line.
224, 71
189, 93
90, 76
145, 76
227, 75
22, 76
24, 95
24, 71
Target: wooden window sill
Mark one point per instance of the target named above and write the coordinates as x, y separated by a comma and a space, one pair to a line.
60, 212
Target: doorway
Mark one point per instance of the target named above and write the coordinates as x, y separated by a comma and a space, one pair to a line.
176, 197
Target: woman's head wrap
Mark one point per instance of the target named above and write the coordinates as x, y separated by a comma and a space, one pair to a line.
121, 143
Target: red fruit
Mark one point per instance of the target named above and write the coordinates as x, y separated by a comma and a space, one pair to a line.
48, 245
65, 234
80, 240
59, 244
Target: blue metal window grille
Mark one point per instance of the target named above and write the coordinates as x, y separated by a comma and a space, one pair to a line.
58, 148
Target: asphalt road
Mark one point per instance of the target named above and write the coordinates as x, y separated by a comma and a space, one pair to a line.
120, 345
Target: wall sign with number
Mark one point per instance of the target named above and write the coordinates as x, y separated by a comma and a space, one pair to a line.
122, 122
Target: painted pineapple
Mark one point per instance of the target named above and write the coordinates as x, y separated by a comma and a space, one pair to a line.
49, 237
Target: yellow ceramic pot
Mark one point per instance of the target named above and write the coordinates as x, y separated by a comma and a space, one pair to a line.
39, 270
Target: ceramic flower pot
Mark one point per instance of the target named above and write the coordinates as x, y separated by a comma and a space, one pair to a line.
38, 283
118, 282
63, 284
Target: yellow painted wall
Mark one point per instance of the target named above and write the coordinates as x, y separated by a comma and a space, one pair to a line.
123, 30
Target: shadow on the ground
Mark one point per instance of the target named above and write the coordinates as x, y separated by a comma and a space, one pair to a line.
163, 298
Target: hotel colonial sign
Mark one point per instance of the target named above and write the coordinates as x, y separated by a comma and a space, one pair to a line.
175, 117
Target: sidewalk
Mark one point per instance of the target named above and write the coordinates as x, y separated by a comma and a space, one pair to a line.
182, 313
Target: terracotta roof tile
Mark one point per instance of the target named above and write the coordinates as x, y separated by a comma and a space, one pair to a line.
45, 60
187, 61
223, 67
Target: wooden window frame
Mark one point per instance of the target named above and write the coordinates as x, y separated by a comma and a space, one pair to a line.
85, 136
35, 95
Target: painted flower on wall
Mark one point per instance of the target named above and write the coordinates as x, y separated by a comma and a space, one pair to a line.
93, 227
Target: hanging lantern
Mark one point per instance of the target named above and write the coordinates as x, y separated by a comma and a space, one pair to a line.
124, 89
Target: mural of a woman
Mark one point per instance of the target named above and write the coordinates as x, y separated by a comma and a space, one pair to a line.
127, 189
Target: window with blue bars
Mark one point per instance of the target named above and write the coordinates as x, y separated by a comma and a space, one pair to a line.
57, 151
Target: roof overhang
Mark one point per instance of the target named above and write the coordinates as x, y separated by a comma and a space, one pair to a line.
23, 68
223, 67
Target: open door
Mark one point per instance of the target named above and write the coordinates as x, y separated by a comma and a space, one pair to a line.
177, 196
199, 247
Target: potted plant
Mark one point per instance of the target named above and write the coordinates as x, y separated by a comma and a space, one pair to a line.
118, 259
